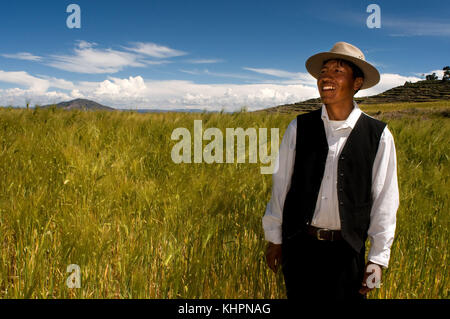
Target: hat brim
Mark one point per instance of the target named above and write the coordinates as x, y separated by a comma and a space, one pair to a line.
371, 74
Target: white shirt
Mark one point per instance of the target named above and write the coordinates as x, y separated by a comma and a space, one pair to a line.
385, 192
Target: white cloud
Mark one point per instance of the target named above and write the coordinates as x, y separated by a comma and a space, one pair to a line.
274, 72
176, 94
133, 86
192, 72
154, 50
76, 94
439, 73
298, 77
23, 56
35, 84
204, 61
413, 26
24, 79
85, 45
89, 60
136, 92
220, 74
417, 28
20, 97
152, 62
124, 93
58, 83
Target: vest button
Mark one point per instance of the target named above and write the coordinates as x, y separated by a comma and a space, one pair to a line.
340, 189
342, 203
342, 174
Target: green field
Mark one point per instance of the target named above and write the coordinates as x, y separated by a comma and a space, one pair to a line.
100, 190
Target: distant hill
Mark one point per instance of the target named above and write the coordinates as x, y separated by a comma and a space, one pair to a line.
80, 104
83, 104
421, 91
169, 110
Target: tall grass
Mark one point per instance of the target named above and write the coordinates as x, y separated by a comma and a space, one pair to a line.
100, 190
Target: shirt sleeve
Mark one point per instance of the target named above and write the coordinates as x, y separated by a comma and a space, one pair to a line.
385, 196
281, 182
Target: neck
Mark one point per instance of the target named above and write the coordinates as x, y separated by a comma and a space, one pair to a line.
339, 111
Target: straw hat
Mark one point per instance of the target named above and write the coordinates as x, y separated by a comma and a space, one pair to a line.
348, 52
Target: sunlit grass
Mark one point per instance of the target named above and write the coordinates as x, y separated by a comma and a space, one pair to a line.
389, 107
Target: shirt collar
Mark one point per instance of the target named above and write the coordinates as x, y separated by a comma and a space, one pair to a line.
351, 119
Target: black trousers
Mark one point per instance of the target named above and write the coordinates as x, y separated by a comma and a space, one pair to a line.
319, 269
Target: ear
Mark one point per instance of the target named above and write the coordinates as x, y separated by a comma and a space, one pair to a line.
358, 83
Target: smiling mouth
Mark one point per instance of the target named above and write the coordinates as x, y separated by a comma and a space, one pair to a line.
328, 88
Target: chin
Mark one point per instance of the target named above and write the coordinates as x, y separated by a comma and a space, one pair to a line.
327, 99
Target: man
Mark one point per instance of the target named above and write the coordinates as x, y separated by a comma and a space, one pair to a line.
336, 185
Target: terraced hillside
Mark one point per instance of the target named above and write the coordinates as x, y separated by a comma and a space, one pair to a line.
422, 91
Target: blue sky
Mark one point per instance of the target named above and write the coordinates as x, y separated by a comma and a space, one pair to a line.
206, 54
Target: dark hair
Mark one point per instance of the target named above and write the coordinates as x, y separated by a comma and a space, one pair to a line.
357, 73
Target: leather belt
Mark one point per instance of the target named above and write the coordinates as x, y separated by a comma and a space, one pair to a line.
324, 233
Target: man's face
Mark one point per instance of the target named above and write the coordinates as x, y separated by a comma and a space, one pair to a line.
336, 83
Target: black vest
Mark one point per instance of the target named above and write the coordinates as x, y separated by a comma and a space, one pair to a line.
354, 183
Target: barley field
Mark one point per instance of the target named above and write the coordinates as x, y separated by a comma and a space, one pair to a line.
100, 190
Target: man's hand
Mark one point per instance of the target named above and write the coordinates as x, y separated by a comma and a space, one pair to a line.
273, 256
372, 276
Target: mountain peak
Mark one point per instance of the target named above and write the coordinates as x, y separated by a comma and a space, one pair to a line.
81, 104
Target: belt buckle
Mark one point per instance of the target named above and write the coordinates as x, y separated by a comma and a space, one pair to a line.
318, 233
